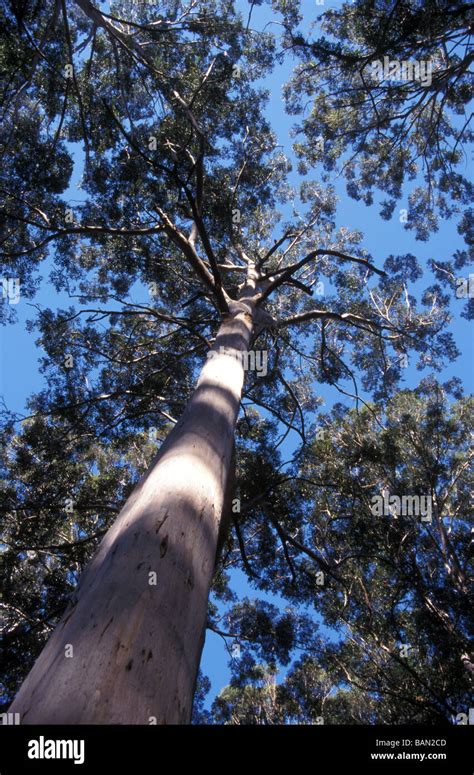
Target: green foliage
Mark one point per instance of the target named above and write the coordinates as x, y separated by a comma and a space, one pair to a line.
387, 131
389, 636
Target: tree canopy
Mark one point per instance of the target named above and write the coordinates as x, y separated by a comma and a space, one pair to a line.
392, 592
403, 132
158, 114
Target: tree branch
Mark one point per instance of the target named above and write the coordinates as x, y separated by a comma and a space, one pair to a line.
286, 273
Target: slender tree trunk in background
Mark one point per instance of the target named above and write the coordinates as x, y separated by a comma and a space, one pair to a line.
128, 650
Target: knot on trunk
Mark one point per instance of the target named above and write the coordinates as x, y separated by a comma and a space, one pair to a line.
237, 308
264, 321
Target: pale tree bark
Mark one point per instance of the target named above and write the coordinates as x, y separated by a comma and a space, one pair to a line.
127, 651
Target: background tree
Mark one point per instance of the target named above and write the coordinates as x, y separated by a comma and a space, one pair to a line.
305, 696
395, 592
382, 130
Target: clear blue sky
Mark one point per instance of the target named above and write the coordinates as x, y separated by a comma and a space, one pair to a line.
19, 375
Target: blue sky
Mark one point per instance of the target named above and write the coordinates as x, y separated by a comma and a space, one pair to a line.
19, 375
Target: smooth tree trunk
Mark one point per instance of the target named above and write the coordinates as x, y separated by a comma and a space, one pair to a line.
127, 650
